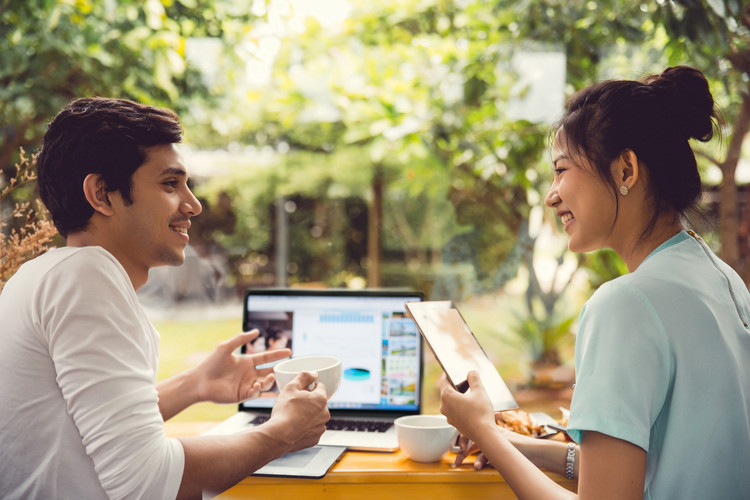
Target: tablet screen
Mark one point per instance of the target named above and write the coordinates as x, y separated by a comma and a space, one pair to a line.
457, 349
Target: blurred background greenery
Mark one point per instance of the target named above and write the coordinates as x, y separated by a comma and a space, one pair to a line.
397, 143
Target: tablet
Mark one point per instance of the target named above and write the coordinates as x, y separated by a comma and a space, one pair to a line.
457, 349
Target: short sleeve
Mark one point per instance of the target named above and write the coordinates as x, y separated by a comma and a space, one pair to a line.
623, 366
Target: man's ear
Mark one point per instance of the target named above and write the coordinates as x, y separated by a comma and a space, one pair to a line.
95, 191
626, 169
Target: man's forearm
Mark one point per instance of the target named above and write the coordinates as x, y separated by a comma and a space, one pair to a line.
216, 463
177, 393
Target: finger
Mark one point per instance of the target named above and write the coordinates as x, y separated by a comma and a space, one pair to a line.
239, 339
442, 380
263, 381
261, 370
252, 392
448, 389
321, 387
468, 446
480, 462
445, 410
303, 380
248, 390
464, 442
264, 357
444, 385
474, 379
267, 382
450, 400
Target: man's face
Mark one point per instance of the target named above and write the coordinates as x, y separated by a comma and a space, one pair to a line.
153, 230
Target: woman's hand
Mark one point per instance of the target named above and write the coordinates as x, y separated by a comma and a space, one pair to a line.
471, 413
467, 447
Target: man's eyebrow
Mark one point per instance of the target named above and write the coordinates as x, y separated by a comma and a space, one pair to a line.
174, 171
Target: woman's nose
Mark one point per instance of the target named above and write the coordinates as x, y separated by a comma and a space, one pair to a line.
552, 199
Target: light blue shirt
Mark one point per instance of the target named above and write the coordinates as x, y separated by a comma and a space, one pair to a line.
663, 362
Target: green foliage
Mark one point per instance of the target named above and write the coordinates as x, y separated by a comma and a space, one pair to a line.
603, 266
418, 92
414, 92
544, 337
52, 51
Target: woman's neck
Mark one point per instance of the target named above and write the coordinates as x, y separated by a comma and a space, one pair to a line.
633, 253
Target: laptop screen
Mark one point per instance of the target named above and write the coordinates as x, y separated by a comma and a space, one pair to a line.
379, 345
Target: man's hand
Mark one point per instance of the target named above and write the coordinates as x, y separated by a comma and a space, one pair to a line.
213, 463
299, 415
228, 377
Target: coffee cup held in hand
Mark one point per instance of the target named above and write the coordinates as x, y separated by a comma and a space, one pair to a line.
425, 438
328, 369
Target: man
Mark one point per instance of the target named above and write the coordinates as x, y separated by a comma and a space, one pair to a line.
82, 414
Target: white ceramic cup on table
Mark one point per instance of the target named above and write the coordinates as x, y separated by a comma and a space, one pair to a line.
425, 438
328, 369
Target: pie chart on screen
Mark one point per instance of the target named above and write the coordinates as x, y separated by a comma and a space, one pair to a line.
356, 374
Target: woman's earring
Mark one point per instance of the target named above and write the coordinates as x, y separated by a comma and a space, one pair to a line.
624, 190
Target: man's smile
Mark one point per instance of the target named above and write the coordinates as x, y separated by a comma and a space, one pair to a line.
180, 229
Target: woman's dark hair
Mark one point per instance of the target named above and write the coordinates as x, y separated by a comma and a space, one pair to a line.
97, 135
654, 117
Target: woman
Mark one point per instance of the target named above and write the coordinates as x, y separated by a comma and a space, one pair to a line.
661, 406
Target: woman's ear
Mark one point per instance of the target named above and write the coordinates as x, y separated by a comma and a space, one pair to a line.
626, 169
95, 191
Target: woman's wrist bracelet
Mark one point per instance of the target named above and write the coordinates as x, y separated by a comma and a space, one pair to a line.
570, 461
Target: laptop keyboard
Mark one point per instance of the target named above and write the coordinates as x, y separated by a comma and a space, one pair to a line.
343, 424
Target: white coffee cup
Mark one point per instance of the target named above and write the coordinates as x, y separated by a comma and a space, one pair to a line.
425, 438
328, 369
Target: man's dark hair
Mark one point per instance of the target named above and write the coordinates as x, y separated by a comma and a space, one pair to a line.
97, 135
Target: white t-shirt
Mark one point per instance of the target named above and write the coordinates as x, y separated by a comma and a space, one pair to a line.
663, 362
79, 414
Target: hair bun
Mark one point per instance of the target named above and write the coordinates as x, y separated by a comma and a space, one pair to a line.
688, 99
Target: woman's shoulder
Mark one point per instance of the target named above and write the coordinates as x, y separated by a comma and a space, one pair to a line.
614, 295
673, 265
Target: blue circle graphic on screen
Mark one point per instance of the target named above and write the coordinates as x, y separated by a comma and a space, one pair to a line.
356, 374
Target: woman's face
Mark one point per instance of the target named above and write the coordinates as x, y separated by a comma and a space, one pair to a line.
584, 203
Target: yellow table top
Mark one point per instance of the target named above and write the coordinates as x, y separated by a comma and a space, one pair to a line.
381, 476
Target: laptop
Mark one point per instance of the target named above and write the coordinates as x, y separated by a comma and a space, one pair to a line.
369, 330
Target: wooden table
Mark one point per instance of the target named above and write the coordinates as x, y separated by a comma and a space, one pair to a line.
380, 476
